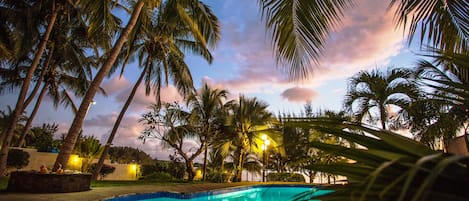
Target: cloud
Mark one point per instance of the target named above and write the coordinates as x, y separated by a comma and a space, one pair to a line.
298, 94
115, 85
142, 101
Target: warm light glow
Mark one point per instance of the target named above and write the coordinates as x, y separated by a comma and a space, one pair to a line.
198, 174
264, 137
93, 102
267, 142
74, 162
133, 168
263, 147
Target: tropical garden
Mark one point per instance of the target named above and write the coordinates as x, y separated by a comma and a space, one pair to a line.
65, 49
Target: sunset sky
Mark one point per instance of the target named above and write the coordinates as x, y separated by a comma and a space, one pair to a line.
243, 64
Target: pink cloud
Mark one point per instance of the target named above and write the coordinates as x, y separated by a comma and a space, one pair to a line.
298, 94
115, 85
142, 101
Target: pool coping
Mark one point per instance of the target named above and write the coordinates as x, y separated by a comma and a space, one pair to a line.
190, 195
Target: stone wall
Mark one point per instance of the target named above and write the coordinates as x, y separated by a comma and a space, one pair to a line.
35, 182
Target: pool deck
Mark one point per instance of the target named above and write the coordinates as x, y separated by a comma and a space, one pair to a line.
100, 193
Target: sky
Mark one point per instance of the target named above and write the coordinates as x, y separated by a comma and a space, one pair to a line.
244, 64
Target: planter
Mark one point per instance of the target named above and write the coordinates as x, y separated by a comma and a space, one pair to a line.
35, 182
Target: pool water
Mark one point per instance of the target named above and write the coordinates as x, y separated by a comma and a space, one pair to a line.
254, 193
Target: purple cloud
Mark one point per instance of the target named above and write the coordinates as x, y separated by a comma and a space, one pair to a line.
298, 94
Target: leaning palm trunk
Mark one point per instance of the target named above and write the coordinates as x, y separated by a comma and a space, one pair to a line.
107, 146
33, 114
24, 89
39, 81
75, 128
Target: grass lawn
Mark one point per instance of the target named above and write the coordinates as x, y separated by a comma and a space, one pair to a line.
3, 183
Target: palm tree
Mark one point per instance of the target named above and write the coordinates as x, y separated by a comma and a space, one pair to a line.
300, 28
247, 120
25, 87
52, 10
442, 111
161, 53
64, 70
77, 123
376, 91
206, 106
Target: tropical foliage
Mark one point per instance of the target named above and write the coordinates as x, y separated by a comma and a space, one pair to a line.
300, 28
373, 95
172, 126
388, 166
159, 41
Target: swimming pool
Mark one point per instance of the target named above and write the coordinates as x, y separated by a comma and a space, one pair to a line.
250, 193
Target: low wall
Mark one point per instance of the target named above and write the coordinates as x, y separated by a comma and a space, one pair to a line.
458, 145
35, 182
36, 159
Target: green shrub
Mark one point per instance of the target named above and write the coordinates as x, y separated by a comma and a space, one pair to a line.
218, 177
159, 176
17, 158
105, 170
287, 177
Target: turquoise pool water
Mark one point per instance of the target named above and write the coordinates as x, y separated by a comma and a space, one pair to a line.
252, 193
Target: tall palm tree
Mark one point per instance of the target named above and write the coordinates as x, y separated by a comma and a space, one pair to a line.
51, 10
206, 107
112, 55
247, 120
300, 28
64, 70
375, 91
160, 52
25, 86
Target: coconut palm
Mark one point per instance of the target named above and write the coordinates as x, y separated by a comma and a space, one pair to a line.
378, 92
64, 70
75, 128
442, 111
160, 52
52, 10
440, 24
25, 87
300, 28
206, 107
247, 120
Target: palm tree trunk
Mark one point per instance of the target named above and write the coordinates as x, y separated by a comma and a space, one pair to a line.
205, 161
24, 89
107, 146
383, 117
77, 123
239, 168
39, 81
33, 114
